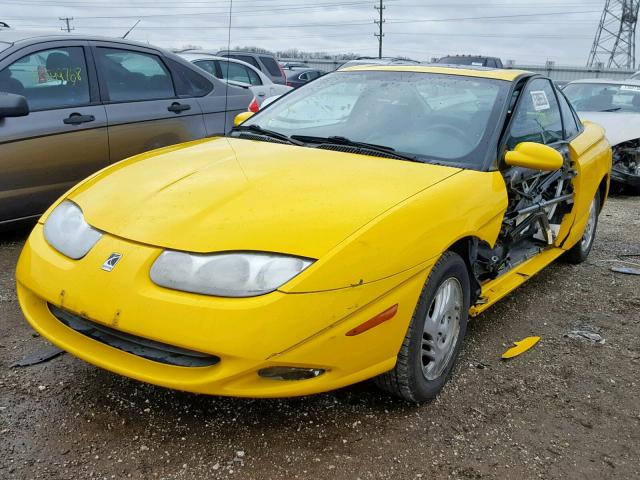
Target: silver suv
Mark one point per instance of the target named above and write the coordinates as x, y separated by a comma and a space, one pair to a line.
265, 62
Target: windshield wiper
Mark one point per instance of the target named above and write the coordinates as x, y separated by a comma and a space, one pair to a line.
614, 109
338, 140
267, 133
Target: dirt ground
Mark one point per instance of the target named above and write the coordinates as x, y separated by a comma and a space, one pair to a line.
568, 408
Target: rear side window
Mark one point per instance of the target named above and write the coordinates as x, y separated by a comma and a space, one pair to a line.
134, 76
272, 66
49, 79
571, 128
246, 58
235, 72
537, 118
208, 66
188, 82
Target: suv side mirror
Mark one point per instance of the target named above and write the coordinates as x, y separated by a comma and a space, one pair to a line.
12, 105
535, 156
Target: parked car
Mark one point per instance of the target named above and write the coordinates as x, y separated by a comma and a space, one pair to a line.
614, 104
345, 232
237, 71
93, 101
472, 60
265, 62
296, 77
290, 65
380, 61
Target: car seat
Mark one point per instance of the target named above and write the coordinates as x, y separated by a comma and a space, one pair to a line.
9, 84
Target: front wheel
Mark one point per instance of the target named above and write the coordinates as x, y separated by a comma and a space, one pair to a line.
435, 335
580, 251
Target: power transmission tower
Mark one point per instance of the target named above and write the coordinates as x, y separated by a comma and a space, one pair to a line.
379, 23
68, 27
614, 45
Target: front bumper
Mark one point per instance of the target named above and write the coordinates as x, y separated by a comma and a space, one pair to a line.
278, 329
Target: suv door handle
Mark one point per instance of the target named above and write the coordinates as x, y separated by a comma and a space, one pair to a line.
178, 107
76, 119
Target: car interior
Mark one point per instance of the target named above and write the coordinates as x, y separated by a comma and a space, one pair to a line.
61, 81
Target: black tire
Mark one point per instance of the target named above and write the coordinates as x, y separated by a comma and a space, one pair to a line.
580, 251
408, 379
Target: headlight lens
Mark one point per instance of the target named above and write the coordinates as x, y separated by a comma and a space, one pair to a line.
68, 232
226, 274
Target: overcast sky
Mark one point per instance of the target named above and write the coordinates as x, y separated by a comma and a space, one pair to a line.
527, 31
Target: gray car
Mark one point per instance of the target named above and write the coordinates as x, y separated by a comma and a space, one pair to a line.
92, 101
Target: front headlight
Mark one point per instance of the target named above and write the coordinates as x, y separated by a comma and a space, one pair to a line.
226, 274
68, 232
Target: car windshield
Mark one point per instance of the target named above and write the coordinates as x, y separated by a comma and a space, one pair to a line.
604, 97
431, 117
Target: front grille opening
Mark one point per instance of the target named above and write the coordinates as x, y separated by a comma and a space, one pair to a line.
142, 347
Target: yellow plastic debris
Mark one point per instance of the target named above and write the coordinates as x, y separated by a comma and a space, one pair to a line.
521, 347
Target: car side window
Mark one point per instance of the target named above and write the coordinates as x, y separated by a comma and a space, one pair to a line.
188, 82
234, 71
272, 65
248, 59
131, 76
208, 66
537, 117
49, 79
254, 78
571, 128
313, 75
303, 76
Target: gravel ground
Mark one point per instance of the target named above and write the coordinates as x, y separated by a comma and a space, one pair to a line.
568, 408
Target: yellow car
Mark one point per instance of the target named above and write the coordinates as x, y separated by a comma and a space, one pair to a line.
345, 232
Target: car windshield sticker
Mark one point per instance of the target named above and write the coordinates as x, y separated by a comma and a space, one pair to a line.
633, 88
540, 100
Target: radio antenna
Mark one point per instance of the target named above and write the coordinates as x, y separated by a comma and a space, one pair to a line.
226, 79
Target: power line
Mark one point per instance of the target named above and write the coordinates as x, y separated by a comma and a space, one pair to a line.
379, 22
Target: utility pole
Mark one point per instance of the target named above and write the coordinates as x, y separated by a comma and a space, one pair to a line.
379, 23
68, 27
614, 45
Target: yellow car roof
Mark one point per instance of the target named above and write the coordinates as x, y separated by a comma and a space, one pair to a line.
497, 74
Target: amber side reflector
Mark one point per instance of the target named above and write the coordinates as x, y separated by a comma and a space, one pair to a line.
388, 314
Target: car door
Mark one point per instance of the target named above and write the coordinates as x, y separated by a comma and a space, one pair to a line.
144, 109
539, 118
64, 137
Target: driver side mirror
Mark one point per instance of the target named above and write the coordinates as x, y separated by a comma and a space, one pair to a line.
241, 117
535, 156
12, 105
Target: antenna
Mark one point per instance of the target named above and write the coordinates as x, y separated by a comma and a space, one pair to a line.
226, 91
131, 29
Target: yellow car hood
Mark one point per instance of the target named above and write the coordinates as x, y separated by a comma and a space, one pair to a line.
232, 194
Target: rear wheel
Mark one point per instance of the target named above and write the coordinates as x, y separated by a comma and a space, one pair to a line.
580, 251
435, 335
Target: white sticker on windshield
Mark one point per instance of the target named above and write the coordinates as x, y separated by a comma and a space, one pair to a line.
540, 100
633, 88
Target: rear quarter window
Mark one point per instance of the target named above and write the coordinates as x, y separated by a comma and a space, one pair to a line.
272, 66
